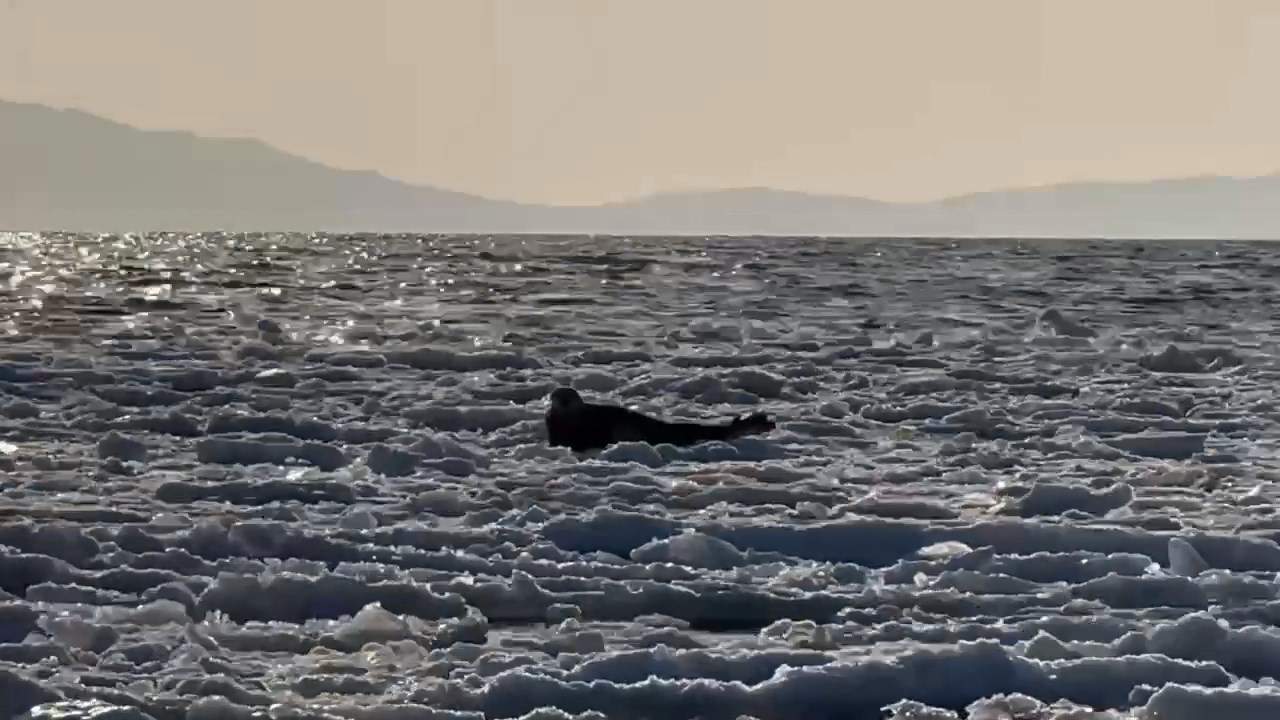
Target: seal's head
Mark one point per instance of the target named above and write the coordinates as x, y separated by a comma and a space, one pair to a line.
565, 399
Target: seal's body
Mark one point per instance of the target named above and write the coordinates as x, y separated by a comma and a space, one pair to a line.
582, 426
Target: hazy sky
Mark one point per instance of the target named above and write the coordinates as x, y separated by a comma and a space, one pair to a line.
573, 101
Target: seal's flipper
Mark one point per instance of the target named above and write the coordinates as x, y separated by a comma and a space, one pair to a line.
753, 424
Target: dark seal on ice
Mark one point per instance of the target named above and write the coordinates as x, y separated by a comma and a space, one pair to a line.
582, 426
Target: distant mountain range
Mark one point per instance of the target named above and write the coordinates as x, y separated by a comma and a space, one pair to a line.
69, 170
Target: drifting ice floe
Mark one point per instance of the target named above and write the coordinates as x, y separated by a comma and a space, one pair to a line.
1014, 481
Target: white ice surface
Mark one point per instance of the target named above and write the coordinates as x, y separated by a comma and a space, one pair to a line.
305, 477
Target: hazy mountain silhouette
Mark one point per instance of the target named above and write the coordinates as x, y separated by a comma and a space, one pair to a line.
1209, 207
69, 170
66, 169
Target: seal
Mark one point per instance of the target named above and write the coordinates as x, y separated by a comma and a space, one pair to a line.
581, 426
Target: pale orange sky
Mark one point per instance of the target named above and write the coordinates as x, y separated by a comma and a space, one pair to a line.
573, 101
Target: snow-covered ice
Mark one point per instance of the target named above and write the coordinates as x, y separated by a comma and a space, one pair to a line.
292, 476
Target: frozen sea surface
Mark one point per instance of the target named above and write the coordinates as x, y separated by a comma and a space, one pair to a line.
305, 477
